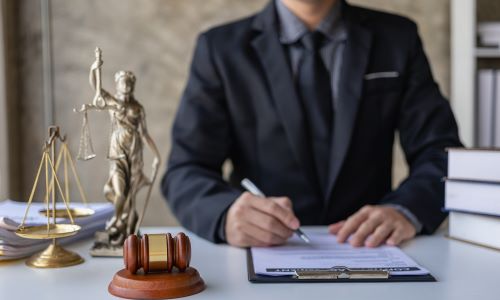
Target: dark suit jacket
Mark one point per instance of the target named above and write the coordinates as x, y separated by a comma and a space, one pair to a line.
240, 103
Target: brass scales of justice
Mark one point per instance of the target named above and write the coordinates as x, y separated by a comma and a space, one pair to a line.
55, 256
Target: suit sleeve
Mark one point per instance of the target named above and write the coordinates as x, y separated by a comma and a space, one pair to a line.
426, 128
201, 141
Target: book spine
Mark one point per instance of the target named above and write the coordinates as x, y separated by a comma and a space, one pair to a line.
496, 117
472, 197
475, 229
475, 166
485, 116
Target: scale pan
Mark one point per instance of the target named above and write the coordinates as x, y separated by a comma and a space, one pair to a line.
78, 212
53, 232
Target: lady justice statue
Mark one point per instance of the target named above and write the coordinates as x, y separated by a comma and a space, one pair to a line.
128, 135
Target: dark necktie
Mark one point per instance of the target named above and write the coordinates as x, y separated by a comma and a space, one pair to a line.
315, 89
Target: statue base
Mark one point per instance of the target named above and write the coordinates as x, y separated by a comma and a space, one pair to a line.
156, 285
103, 248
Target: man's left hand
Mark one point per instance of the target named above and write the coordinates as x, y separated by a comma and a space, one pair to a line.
373, 225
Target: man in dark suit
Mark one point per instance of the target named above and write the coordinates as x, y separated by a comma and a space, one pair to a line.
305, 99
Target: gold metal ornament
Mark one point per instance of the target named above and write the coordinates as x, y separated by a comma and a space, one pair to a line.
67, 160
54, 256
158, 254
125, 154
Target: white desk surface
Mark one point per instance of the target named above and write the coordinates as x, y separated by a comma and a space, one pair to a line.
463, 271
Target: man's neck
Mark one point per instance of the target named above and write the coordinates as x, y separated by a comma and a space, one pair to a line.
311, 12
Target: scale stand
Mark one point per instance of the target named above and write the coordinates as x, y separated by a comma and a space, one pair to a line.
54, 256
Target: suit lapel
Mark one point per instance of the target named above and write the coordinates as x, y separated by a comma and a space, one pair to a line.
355, 60
279, 76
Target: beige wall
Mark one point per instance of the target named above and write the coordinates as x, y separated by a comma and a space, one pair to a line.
155, 39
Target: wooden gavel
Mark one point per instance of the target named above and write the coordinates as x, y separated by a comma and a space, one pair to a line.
157, 252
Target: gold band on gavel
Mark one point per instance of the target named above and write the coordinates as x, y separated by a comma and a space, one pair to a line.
157, 252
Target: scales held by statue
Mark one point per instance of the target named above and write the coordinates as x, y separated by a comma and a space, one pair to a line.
127, 138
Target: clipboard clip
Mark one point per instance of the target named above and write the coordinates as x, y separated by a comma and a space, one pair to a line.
340, 272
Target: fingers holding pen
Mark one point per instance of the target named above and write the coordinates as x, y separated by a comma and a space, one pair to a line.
283, 201
273, 208
257, 221
271, 225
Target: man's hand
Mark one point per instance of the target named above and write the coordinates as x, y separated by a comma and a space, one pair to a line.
374, 225
258, 221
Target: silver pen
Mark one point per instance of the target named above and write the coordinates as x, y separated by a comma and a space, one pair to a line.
252, 188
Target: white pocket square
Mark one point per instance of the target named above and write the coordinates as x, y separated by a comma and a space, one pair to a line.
390, 74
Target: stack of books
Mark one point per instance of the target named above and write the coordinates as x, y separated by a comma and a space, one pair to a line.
472, 195
11, 216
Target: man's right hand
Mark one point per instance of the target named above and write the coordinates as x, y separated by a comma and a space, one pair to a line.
258, 221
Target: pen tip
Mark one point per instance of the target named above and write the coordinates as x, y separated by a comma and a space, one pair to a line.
306, 239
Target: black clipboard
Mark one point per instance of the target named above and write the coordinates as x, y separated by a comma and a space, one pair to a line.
254, 278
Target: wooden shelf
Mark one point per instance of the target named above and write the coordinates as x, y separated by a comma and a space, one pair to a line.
483, 52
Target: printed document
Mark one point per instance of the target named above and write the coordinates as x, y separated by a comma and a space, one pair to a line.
325, 253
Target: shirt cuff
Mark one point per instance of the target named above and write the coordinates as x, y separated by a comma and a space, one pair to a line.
408, 215
221, 231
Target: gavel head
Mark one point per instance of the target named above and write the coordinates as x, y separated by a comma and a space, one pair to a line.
157, 252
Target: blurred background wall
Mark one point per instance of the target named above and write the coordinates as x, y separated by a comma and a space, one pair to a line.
155, 40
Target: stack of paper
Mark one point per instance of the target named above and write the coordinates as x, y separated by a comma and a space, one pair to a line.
11, 215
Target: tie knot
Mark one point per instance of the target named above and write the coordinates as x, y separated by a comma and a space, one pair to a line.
313, 40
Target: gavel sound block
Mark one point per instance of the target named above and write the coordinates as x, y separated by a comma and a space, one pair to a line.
156, 267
